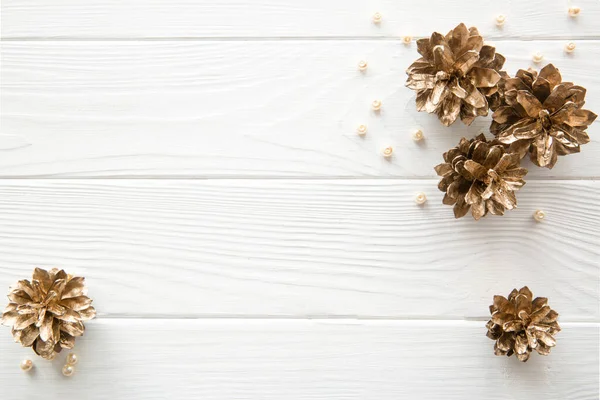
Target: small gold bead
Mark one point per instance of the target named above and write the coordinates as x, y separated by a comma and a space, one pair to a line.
68, 370
500, 19
538, 57
570, 47
376, 105
539, 215
377, 18
26, 365
418, 135
362, 65
407, 39
420, 198
72, 359
574, 11
361, 130
387, 152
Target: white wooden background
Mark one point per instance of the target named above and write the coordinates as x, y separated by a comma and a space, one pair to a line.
197, 161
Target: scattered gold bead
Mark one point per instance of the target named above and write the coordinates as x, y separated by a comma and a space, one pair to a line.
361, 130
500, 19
387, 152
376, 105
420, 198
407, 39
72, 359
362, 65
418, 135
377, 18
26, 365
538, 57
574, 11
68, 370
570, 47
539, 215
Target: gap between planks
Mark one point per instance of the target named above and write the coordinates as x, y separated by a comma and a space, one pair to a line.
565, 179
327, 318
273, 38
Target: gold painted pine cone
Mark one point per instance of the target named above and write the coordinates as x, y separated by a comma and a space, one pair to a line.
542, 116
455, 75
480, 176
521, 324
47, 313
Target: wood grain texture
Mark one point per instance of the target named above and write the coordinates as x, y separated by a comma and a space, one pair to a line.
231, 109
288, 18
297, 360
301, 248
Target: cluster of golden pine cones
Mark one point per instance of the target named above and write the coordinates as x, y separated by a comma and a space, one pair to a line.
458, 76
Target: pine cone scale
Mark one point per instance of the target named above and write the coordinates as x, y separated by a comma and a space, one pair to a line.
69, 316
423, 47
474, 98
42, 278
28, 335
451, 111
75, 288
530, 129
530, 103
46, 332
541, 314
76, 303
72, 328
420, 82
24, 321
442, 57
478, 209
457, 90
476, 170
484, 77
465, 62
26, 287
66, 341
461, 208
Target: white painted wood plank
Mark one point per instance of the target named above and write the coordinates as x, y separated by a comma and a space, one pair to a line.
296, 360
300, 248
288, 18
230, 109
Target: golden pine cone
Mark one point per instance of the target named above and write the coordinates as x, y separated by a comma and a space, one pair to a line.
480, 176
455, 74
520, 325
47, 314
542, 115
